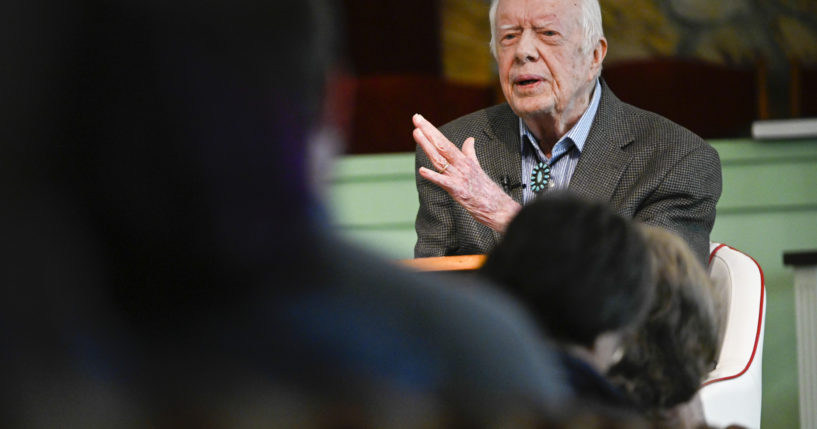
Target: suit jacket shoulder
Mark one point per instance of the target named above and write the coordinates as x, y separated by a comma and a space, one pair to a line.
651, 169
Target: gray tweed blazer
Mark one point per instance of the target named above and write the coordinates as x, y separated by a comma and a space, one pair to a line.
644, 165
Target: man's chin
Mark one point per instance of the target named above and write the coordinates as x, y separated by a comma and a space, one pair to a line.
529, 108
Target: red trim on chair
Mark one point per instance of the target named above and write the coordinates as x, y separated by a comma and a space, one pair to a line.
712, 253
759, 317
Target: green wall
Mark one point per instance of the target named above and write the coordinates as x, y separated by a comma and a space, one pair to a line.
769, 205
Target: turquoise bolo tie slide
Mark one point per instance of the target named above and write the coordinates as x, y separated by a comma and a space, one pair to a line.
540, 177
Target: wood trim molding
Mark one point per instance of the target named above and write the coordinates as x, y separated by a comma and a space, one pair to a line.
445, 263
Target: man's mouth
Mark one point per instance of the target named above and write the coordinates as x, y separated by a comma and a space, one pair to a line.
527, 80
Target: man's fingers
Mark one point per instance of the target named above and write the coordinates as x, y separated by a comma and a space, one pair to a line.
469, 151
436, 178
431, 133
437, 139
437, 160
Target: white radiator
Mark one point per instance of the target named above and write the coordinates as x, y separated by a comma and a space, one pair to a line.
805, 295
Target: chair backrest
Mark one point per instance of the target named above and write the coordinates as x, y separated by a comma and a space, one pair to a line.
732, 392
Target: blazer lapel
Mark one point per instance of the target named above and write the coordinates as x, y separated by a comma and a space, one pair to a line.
499, 154
600, 167
604, 158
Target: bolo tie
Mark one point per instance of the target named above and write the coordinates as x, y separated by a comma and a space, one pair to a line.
540, 178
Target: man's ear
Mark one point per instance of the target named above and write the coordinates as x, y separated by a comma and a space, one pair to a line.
599, 52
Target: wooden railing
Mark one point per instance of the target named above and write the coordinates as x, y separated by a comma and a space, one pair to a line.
445, 263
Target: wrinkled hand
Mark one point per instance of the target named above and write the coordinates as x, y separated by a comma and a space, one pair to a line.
459, 173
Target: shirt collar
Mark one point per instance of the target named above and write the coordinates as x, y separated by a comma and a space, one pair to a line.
578, 134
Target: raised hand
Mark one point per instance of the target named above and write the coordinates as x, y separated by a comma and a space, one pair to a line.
459, 173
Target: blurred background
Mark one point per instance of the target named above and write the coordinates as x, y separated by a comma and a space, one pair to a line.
712, 66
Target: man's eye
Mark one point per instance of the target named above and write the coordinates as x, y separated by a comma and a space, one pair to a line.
549, 33
509, 37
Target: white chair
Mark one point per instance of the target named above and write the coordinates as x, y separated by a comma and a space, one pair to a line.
731, 393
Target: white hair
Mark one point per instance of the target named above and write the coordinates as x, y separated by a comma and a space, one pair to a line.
590, 21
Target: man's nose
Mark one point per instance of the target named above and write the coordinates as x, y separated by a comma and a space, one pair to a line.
526, 49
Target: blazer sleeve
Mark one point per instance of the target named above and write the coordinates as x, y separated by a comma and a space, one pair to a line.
435, 226
684, 201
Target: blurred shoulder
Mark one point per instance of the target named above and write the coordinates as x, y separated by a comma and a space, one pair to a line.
482, 340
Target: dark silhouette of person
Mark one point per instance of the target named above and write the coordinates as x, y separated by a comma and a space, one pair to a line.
168, 264
586, 275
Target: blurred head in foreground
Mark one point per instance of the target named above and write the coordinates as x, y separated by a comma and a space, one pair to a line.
583, 271
171, 268
677, 345
180, 126
156, 156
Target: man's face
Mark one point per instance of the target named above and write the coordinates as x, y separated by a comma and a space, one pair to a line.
542, 69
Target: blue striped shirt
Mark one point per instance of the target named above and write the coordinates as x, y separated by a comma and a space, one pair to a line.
565, 154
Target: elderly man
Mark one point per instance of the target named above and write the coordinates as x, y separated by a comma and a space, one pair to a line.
562, 127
